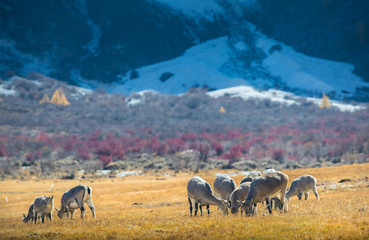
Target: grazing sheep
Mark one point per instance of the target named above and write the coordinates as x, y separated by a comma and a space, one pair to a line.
250, 176
30, 216
76, 198
300, 185
43, 205
224, 186
270, 170
238, 196
200, 192
264, 188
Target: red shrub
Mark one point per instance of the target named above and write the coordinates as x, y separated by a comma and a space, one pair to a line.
175, 145
190, 136
218, 148
83, 153
2, 152
278, 154
105, 160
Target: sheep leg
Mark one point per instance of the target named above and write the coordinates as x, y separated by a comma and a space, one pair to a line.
285, 205
43, 218
208, 208
200, 206
306, 195
282, 201
72, 212
36, 213
316, 193
190, 202
254, 210
80, 205
268, 202
196, 208
91, 206
300, 195
67, 209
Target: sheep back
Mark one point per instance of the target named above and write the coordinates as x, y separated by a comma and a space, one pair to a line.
268, 184
43, 204
301, 184
250, 176
199, 190
79, 192
224, 186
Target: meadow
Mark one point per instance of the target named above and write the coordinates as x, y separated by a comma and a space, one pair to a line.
155, 206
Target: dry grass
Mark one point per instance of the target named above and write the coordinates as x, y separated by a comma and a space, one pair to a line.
162, 211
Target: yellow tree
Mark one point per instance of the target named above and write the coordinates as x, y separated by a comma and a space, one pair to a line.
222, 110
325, 102
59, 98
45, 99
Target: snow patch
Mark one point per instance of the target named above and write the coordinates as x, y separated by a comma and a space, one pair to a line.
200, 66
138, 98
246, 92
83, 91
308, 73
5, 91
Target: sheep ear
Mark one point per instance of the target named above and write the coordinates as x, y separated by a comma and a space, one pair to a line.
24, 215
52, 196
57, 210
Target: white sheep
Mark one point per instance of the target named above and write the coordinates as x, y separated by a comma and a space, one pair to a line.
224, 186
238, 196
76, 198
200, 193
44, 206
264, 188
250, 176
302, 185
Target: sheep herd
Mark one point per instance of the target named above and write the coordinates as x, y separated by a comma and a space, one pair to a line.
269, 186
71, 200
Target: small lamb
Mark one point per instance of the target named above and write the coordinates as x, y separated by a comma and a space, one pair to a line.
42, 205
76, 198
199, 191
238, 196
300, 185
30, 216
264, 188
224, 186
250, 176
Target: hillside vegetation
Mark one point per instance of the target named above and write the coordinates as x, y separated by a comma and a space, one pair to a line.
154, 131
155, 206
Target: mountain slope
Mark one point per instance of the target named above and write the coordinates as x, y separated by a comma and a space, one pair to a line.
208, 65
91, 44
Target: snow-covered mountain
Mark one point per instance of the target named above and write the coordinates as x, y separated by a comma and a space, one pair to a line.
172, 45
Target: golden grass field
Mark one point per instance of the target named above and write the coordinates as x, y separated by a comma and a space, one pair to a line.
156, 207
